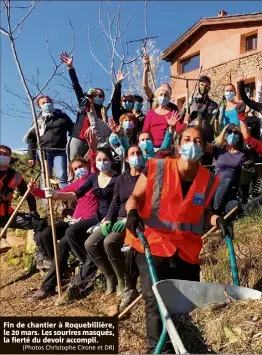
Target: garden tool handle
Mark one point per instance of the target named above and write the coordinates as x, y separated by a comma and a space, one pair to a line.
232, 259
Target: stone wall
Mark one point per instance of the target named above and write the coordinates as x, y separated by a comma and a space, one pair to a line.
220, 75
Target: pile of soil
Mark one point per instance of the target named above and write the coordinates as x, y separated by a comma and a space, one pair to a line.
228, 328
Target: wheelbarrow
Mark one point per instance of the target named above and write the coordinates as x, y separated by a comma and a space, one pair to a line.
181, 297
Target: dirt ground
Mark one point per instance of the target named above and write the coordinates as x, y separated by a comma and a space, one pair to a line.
16, 286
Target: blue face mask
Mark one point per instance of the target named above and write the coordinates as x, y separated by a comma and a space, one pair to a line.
103, 166
80, 172
113, 139
136, 162
128, 105
229, 95
232, 138
138, 106
98, 100
128, 125
146, 146
191, 152
48, 107
162, 100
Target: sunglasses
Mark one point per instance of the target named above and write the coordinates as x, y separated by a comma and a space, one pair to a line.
232, 131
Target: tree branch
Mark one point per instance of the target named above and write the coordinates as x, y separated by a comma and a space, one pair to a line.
20, 23
92, 53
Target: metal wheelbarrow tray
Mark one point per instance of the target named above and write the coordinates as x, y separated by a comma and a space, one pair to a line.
181, 297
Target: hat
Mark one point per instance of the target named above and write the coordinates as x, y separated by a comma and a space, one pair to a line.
205, 79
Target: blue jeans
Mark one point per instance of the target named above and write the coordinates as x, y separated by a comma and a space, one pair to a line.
57, 160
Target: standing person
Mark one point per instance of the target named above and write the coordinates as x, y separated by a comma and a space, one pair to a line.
78, 145
10, 180
229, 114
171, 204
121, 103
156, 121
104, 245
54, 125
149, 93
137, 111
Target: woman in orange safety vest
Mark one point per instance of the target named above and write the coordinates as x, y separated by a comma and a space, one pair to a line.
171, 205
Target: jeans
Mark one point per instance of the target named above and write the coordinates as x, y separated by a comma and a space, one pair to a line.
57, 160
76, 148
224, 194
166, 268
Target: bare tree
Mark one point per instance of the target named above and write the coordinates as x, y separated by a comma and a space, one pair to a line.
13, 33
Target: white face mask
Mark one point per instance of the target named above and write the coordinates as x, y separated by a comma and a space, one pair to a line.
4, 160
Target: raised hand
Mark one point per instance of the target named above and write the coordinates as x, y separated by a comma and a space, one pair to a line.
172, 121
120, 76
67, 60
113, 126
91, 139
146, 62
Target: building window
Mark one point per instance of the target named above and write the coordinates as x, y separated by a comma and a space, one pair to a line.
251, 42
190, 64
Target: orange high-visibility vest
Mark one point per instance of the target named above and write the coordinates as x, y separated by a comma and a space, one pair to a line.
171, 222
7, 186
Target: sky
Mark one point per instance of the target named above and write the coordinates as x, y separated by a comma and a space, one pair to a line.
50, 19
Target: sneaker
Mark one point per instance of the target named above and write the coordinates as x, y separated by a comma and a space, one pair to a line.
71, 294
4, 246
41, 295
128, 297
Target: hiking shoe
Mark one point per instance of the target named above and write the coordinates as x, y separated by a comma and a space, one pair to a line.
128, 297
4, 246
41, 295
71, 294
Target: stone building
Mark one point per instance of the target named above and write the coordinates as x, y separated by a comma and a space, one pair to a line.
223, 47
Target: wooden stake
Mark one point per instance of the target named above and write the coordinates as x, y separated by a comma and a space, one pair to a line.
130, 306
51, 211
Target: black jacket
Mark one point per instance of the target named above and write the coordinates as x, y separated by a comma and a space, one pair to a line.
117, 109
55, 136
257, 106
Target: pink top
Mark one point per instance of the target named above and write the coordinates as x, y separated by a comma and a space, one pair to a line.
156, 125
86, 206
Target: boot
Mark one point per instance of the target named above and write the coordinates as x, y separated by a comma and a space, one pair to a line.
105, 267
129, 296
118, 266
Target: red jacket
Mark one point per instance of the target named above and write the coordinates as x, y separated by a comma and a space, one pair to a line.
255, 144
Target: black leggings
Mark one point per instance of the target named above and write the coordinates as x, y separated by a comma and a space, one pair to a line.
73, 240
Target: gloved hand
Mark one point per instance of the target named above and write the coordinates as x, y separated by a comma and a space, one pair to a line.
134, 221
106, 228
119, 226
240, 108
225, 226
50, 192
35, 215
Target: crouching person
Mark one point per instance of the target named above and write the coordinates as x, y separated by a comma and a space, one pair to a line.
104, 245
10, 180
170, 204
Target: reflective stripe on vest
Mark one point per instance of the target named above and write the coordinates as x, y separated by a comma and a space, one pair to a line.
154, 222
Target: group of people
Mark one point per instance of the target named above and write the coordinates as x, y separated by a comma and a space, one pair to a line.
134, 171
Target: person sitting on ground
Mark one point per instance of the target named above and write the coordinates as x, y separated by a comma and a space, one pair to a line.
104, 245
229, 114
156, 121
102, 185
149, 93
229, 153
78, 145
121, 103
10, 180
85, 210
137, 111
54, 125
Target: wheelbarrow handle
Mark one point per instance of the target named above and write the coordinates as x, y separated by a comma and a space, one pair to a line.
232, 259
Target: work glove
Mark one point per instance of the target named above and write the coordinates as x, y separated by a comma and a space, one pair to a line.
240, 108
106, 228
119, 226
225, 226
134, 221
50, 192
